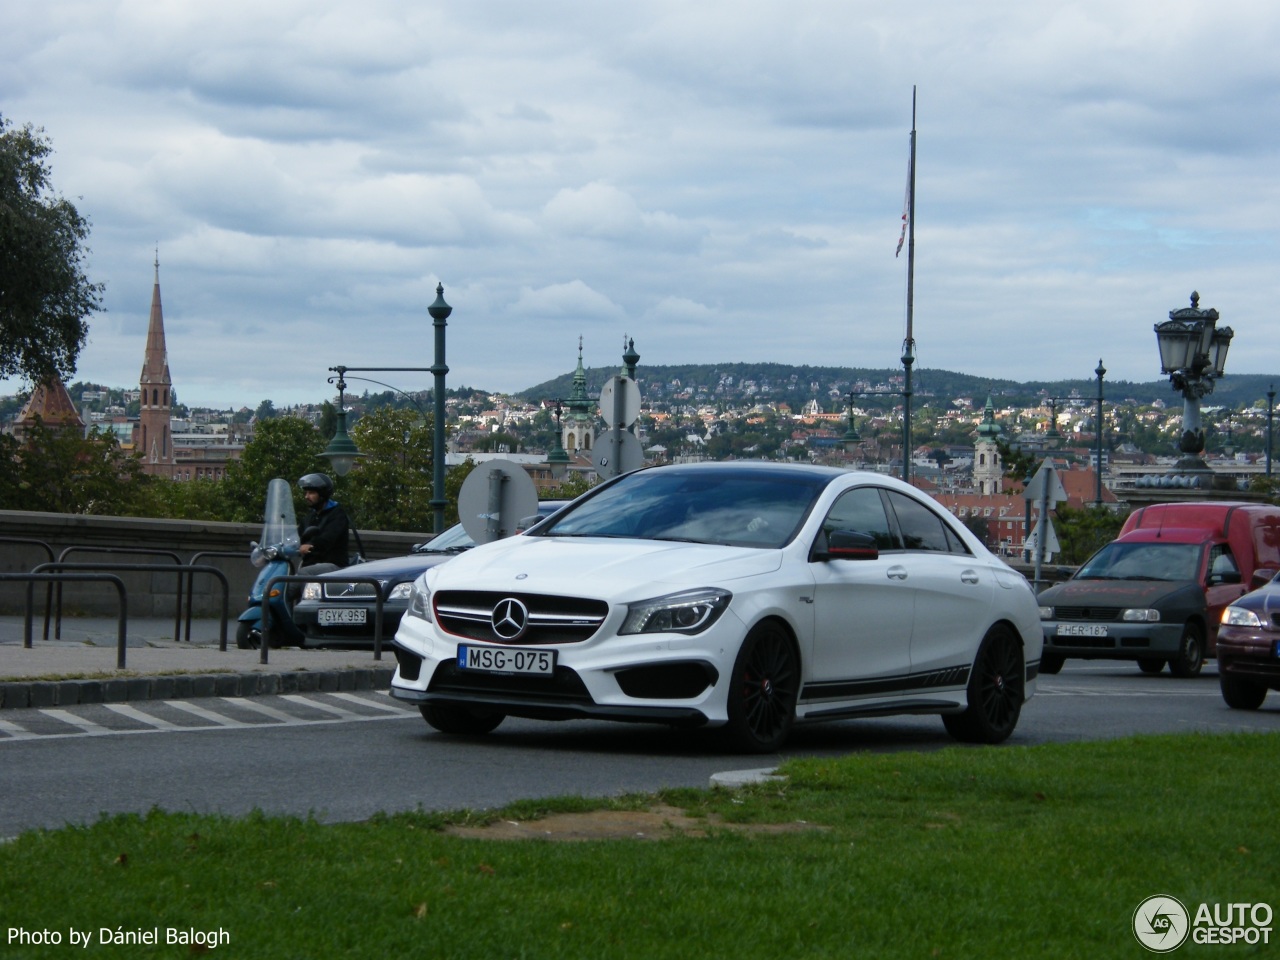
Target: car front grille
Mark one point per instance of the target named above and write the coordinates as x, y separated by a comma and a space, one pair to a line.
1093, 614
548, 619
563, 687
341, 590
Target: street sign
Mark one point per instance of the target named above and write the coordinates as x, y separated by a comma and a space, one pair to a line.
616, 452
494, 498
1045, 485
1044, 527
620, 401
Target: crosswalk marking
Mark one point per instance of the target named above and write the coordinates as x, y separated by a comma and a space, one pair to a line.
88, 726
133, 713
198, 711
212, 713
319, 705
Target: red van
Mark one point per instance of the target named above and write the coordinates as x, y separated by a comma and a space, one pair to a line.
1156, 593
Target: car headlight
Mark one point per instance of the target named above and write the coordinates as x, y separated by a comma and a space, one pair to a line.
689, 612
1240, 617
1140, 615
401, 591
419, 600
1046, 613
311, 591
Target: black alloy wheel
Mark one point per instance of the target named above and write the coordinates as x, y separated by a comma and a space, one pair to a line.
461, 719
997, 687
763, 690
1190, 656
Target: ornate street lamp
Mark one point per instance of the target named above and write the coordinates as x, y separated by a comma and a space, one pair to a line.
1193, 353
341, 452
558, 458
851, 437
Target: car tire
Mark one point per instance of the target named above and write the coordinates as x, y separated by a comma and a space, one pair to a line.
460, 719
1190, 656
997, 687
1242, 694
248, 637
763, 689
1051, 663
1151, 666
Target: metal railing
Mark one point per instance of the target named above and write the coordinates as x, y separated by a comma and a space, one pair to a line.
121, 619
48, 590
59, 565
146, 551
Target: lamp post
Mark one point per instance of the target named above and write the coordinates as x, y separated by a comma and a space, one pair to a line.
1099, 372
851, 437
558, 458
341, 452
1193, 352
439, 311
1271, 409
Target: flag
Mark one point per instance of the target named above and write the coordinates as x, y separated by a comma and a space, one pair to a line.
906, 211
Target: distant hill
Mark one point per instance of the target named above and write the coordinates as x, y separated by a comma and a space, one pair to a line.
795, 385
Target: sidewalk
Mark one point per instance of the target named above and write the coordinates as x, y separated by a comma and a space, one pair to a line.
80, 666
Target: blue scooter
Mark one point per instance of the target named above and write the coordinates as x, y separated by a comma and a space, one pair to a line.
276, 555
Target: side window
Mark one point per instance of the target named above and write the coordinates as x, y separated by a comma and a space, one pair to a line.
922, 529
1222, 563
862, 511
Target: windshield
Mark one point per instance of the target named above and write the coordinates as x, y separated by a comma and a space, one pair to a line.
1143, 561
455, 538
731, 507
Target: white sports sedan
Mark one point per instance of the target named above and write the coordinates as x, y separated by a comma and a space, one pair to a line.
746, 595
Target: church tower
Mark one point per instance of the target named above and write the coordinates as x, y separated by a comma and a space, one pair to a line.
988, 468
578, 430
154, 439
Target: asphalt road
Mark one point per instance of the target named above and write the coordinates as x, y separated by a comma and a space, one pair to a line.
346, 756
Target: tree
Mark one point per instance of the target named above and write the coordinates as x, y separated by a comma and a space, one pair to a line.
63, 471
389, 488
1082, 532
44, 293
287, 447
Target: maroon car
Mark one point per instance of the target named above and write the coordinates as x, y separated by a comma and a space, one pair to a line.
1249, 647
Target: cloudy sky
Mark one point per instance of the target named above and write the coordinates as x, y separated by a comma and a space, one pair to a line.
721, 181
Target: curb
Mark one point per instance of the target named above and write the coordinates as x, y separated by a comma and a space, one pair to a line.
16, 694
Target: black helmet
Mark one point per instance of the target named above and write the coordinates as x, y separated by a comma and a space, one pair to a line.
318, 482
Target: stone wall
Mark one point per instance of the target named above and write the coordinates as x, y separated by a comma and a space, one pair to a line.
102, 540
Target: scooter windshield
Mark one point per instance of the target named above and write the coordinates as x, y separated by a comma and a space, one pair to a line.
280, 525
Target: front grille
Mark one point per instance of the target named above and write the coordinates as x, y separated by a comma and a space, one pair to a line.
1095, 614
469, 613
340, 590
564, 686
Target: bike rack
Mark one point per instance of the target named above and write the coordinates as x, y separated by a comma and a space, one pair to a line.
155, 567
295, 578
177, 613
33, 578
48, 590
191, 592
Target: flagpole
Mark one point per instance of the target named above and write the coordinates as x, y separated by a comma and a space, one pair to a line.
909, 344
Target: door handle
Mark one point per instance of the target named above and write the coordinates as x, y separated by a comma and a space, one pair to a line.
969, 576
897, 573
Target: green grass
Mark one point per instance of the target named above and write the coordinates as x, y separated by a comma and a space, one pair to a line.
965, 852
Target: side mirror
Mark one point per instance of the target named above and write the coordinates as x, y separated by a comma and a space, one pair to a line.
848, 545
1261, 577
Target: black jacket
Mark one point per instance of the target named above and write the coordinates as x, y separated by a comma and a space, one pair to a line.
325, 528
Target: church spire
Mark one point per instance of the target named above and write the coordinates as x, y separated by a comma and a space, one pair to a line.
155, 387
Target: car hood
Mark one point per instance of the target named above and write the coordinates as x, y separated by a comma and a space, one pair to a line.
1114, 593
1265, 599
391, 569
603, 568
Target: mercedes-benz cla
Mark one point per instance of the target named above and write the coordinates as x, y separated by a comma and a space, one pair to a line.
743, 595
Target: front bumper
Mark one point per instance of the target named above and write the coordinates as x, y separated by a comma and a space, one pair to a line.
307, 618
1249, 654
1123, 641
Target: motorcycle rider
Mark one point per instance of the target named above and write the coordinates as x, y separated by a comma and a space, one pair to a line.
324, 529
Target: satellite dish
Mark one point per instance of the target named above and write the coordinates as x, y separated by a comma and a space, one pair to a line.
495, 497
